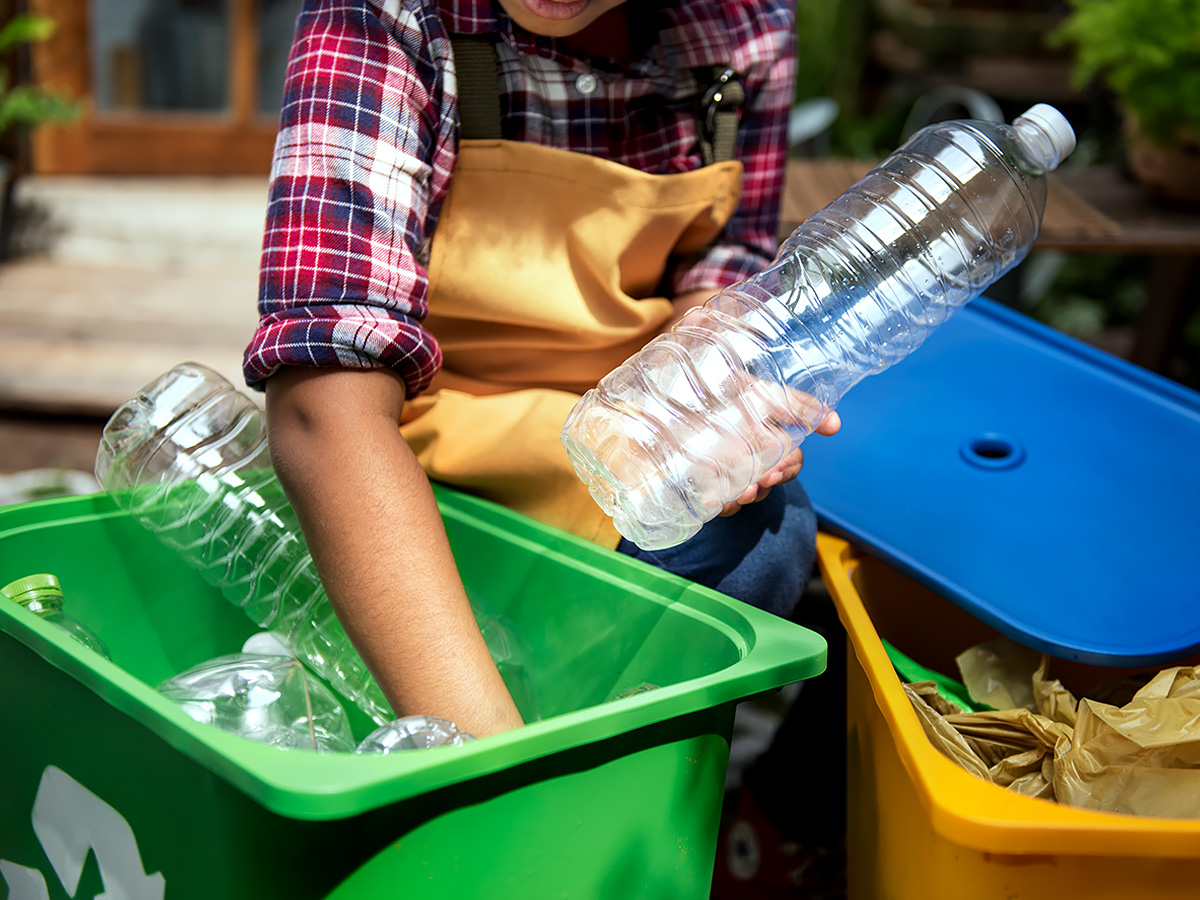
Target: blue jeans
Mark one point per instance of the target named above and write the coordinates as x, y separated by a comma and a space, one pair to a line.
763, 555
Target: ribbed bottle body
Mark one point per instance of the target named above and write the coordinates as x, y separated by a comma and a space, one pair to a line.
266, 698
866, 279
188, 458
700, 414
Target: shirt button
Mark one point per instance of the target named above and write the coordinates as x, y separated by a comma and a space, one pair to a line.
586, 83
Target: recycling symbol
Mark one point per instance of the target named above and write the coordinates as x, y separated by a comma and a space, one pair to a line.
70, 821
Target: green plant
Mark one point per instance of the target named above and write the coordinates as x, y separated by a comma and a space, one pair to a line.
832, 56
1148, 53
25, 105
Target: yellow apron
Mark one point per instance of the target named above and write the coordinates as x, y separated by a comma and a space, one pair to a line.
541, 279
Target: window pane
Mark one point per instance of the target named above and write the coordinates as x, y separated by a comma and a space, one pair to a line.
277, 23
170, 55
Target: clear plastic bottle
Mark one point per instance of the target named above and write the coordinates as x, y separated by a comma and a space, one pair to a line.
188, 458
267, 698
703, 412
413, 733
642, 687
42, 595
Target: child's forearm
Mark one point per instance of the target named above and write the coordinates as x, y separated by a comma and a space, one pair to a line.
377, 539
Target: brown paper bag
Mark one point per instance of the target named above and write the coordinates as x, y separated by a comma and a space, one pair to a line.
930, 706
1142, 758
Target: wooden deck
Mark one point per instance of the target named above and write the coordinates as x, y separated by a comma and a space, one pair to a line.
119, 280
124, 279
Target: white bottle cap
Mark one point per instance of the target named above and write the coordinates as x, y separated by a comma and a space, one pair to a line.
1056, 126
266, 643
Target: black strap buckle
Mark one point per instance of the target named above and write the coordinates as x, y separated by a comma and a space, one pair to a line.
725, 95
717, 120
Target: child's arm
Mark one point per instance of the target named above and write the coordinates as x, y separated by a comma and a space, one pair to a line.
360, 167
377, 538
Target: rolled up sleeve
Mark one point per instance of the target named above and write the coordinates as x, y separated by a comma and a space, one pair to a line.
361, 163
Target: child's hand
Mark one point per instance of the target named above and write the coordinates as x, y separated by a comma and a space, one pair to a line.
783, 471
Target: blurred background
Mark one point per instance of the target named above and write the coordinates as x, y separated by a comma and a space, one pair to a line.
135, 141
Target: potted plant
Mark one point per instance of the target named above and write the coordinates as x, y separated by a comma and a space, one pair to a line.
1148, 53
22, 106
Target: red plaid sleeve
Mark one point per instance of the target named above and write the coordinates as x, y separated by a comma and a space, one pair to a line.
362, 161
762, 48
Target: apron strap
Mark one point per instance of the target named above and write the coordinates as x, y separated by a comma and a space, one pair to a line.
720, 110
478, 87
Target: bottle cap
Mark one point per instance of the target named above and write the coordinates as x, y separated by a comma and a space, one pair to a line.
1056, 126
266, 643
32, 587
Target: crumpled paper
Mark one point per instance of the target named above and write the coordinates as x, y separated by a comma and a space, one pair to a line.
1138, 758
1141, 758
999, 673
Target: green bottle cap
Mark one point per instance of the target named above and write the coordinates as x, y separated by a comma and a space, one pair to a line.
33, 587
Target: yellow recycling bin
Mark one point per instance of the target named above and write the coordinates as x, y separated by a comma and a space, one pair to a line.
922, 828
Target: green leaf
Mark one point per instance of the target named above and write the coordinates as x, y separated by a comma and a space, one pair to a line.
25, 29
1147, 52
26, 106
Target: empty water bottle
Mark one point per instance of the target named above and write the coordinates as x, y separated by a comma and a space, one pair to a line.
270, 699
188, 458
413, 733
42, 595
704, 412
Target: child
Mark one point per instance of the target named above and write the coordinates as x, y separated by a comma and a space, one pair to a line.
477, 210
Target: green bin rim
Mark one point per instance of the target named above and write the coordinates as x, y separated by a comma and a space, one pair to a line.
774, 652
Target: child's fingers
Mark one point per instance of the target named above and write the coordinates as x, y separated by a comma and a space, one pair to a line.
748, 496
830, 425
787, 469
796, 408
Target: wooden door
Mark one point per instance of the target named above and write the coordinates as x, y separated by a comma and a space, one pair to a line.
169, 86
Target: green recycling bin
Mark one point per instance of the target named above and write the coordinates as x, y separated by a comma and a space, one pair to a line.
108, 787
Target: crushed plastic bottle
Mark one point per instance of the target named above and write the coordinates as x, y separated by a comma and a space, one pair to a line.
42, 595
702, 413
270, 699
413, 733
188, 458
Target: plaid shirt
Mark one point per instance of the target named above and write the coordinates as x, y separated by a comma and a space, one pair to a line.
368, 139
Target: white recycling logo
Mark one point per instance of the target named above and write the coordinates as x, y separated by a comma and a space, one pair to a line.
69, 821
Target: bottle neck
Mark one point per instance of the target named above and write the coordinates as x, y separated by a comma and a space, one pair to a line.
1036, 146
41, 601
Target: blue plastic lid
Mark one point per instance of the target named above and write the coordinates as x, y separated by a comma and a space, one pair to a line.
1048, 488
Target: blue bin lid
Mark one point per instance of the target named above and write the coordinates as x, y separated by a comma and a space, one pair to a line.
1047, 487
